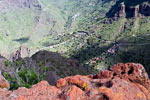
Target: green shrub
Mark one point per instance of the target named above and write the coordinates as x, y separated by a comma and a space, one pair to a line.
18, 63
7, 63
29, 77
39, 64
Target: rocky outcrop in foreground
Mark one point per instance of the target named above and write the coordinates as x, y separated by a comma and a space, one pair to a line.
121, 82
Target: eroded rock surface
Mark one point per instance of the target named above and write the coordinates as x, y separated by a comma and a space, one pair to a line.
21, 53
121, 82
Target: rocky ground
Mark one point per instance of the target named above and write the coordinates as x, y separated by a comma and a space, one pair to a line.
121, 82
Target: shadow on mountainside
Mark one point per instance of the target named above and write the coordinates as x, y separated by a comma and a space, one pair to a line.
137, 52
59, 65
43, 65
128, 3
92, 51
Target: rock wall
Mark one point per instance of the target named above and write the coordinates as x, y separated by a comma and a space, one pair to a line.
121, 82
145, 9
124, 10
21, 53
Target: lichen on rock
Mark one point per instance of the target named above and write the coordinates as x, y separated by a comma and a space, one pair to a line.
121, 82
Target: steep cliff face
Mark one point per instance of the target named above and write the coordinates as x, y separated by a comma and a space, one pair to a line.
120, 82
21, 53
145, 9
124, 9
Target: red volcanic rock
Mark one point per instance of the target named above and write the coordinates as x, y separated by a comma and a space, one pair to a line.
74, 93
121, 82
21, 98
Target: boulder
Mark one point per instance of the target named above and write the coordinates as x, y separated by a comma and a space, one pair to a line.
121, 82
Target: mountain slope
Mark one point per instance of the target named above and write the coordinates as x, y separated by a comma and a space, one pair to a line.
38, 23
98, 33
